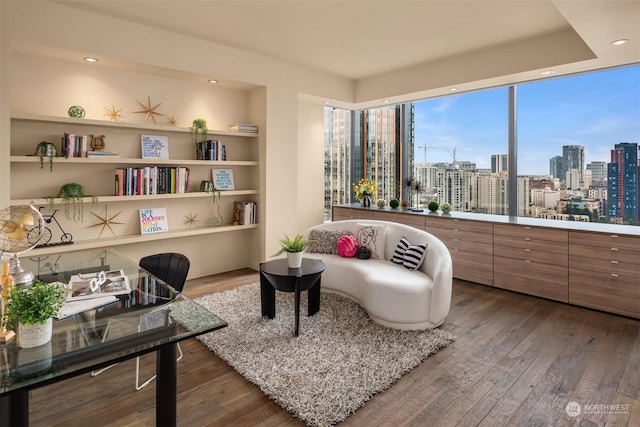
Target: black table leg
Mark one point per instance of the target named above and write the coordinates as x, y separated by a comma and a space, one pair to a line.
14, 409
267, 297
166, 385
297, 308
314, 298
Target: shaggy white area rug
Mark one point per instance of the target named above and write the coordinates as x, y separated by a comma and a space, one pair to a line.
340, 359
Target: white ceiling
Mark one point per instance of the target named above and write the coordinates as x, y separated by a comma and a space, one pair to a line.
365, 39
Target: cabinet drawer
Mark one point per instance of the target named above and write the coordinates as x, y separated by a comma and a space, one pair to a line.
459, 224
533, 255
611, 267
602, 291
468, 246
412, 220
600, 252
472, 266
605, 240
532, 233
533, 278
338, 214
531, 244
461, 235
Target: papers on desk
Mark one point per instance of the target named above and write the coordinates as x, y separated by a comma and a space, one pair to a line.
71, 308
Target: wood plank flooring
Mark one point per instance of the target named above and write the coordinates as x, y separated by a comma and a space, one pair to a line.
517, 360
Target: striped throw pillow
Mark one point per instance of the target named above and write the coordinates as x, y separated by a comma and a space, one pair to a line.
408, 255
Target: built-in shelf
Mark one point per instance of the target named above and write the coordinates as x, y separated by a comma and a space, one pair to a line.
127, 161
116, 124
105, 242
105, 199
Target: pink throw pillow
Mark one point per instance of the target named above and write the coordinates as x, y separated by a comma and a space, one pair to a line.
347, 246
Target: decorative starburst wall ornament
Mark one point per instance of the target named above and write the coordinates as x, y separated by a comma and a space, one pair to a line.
172, 121
149, 110
113, 113
106, 221
191, 220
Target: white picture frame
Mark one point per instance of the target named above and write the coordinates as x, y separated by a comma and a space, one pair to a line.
154, 146
223, 179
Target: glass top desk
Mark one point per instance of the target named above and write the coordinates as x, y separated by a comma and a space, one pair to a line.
154, 317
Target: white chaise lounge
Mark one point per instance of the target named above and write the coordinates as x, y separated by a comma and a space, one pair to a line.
392, 295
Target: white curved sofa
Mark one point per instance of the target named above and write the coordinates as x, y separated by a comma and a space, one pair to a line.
392, 295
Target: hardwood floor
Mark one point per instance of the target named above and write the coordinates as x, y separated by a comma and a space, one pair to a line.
518, 360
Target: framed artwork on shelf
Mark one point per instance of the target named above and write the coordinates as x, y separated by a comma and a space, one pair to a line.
153, 220
223, 179
155, 146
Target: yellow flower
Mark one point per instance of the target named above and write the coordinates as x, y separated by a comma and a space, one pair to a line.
364, 188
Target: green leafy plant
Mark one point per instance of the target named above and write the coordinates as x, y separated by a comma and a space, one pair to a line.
445, 207
35, 304
46, 149
381, 203
433, 206
394, 203
297, 244
199, 130
72, 194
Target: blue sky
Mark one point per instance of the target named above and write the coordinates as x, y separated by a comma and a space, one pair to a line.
596, 110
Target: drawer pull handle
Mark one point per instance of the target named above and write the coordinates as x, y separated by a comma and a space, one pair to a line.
456, 240
527, 250
455, 229
526, 260
614, 275
455, 249
614, 249
527, 228
527, 239
614, 262
614, 236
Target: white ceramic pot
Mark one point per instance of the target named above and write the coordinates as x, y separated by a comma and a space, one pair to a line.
294, 259
33, 335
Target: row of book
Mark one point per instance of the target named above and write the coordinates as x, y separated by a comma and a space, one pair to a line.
73, 145
151, 180
244, 128
211, 150
245, 213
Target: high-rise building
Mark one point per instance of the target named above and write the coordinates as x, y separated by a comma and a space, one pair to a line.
499, 163
572, 179
572, 158
622, 182
598, 172
555, 167
338, 155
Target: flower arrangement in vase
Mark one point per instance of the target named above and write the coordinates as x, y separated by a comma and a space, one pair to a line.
363, 190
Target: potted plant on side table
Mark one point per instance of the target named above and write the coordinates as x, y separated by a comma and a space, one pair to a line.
30, 312
293, 248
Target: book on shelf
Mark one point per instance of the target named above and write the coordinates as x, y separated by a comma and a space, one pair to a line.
100, 154
73, 145
153, 220
148, 180
98, 284
245, 213
223, 179
155, 146
211, 149
71, 308
241, 127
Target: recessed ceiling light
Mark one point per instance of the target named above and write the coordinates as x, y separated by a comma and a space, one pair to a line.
327, 102
386, 101
620, 42
90, 59
213, 81
453, 89
547, 72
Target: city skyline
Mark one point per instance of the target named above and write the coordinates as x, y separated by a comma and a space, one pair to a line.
596, 110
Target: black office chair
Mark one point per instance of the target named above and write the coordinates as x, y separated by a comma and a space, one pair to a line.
173, 269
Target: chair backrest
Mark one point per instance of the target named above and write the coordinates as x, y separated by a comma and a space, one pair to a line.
171, 267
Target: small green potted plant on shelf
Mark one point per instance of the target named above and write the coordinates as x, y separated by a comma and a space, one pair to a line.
293, 248
72, 194
199, 136
433, 206
30, 312
46, 149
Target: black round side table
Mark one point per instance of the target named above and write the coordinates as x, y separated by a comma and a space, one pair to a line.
276, 274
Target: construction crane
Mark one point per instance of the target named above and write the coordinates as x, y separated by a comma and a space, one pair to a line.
428, 147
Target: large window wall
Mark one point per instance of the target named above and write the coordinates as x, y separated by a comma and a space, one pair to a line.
574, 155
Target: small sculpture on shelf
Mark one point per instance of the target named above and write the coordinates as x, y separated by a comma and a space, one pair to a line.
209, 187
97, 142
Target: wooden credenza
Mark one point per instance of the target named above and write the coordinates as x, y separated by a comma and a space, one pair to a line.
549, 259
